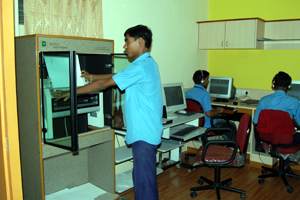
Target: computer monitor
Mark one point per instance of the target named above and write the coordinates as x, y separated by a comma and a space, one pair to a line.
295, 91
221, 88
173, 98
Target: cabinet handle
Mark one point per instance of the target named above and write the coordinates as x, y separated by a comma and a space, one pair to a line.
226, 43
222, 44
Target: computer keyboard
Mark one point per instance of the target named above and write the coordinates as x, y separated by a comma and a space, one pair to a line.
185, 131
225, 107
250, 102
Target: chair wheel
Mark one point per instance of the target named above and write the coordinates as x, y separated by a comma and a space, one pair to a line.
243, 196
229, 183
261, 181
289, 189
193, 194
263, 171
186, 158
200, 182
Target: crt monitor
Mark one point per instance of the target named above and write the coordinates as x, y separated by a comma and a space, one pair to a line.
295, 91
221, 88
174, 98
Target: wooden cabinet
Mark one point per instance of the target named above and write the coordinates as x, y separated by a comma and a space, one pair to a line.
230, 34
48, 169
282, 34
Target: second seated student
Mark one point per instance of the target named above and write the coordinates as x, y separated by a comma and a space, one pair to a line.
143, 102
280, 100
200, 94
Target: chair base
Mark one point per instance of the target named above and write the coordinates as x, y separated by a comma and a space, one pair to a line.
281, 172
216, 185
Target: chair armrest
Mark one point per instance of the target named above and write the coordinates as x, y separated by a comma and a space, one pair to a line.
221, 143
217, 131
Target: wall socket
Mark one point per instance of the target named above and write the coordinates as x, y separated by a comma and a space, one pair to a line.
242, 92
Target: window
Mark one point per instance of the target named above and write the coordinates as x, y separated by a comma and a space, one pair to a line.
21, 11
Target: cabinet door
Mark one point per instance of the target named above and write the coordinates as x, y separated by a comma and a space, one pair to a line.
59, 117
121, 61
211, 35
241, 34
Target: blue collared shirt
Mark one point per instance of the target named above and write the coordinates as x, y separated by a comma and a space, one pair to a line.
143, 100
200, 94
279, 100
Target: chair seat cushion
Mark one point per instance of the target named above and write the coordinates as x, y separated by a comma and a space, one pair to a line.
293, 152
218, 154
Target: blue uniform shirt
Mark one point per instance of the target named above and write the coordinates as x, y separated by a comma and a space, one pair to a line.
143, 100
279, 100
200, 94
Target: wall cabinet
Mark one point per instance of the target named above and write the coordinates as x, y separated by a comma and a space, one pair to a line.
230, 34
283, 34
252, 33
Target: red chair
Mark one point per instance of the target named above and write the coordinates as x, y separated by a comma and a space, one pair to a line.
275, 130
223, 153
194, 106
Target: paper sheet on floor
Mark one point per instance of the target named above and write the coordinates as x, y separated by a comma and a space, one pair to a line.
86, 191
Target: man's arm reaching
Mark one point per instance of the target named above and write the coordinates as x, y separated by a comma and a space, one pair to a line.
98, 85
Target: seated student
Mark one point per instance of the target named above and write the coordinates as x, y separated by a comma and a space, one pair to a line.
199, 93
280, 100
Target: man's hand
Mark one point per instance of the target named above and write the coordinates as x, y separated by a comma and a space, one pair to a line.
86, 75
220, 109
59, 94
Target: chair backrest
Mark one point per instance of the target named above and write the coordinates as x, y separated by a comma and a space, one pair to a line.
195, 106
243, 132
275, 127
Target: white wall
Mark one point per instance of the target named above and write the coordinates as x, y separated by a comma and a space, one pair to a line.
174, 28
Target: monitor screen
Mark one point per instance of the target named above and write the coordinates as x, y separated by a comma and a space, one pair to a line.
173, 97
295, 91
220, 87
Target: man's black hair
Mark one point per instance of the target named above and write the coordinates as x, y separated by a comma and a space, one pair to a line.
282, 79
198, 76
140, 31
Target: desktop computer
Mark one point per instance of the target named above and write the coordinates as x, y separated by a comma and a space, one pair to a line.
295, 91
173, 99
221, 88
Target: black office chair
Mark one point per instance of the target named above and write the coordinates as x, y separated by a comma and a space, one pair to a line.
223, 153
195, 106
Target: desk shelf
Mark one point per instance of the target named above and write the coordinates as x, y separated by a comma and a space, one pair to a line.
124, 181
122, 154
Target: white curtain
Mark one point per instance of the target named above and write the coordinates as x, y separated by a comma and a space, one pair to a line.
81, 18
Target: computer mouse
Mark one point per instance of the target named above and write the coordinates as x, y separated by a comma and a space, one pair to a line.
181, 112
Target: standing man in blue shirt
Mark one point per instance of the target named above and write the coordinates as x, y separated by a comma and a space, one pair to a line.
280, 100
143, 107
200, 94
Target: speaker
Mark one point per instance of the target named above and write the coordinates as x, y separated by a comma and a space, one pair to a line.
202, 78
